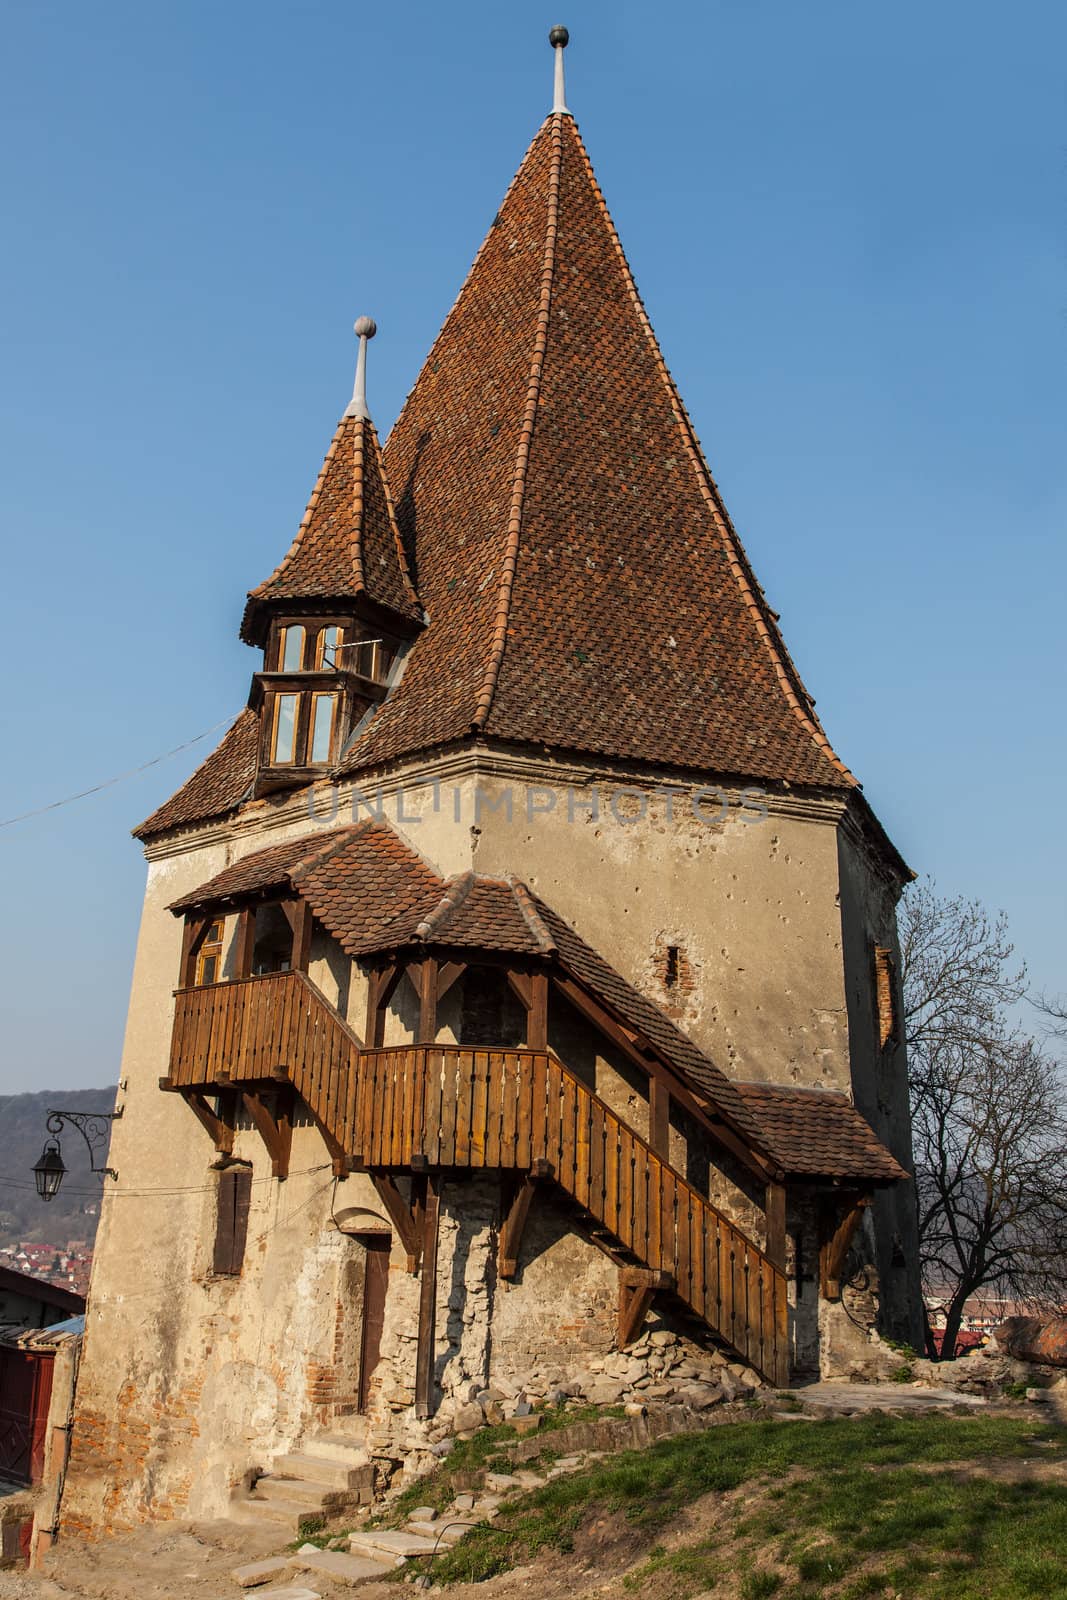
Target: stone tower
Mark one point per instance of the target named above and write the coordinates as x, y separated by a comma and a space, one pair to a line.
522, 964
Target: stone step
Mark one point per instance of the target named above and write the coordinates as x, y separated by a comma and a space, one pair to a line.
382, 1543
315, 1496
336, 1445
446, 1530
327, 1470
287, 1514
342, 1568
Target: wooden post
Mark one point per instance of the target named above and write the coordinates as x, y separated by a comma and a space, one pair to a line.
276, 1132
427, 1303
537, 1016
659, 1116
427, 1001
301, 924
775, 1209
246, 940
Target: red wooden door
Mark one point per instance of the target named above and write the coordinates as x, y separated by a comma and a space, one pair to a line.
25, 1392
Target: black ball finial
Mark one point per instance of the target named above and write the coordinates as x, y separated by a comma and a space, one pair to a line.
559, 35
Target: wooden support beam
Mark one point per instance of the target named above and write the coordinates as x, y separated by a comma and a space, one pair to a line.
515, 1215
659, 1116
447, 975
774, 1204
519, 984
220, 1128
246, 940
839, 1230
400, 1215
424, 1355
381, 986
276, 1131
637, 1288
427, 1001
651, 1064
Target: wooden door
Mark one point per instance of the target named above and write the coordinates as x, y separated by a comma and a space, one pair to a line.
375, 1289
25, 1392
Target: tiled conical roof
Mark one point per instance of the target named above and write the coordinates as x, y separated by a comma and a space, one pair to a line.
348, 545
585, 587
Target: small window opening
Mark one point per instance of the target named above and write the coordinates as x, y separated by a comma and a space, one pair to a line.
886, 996
672, 971
323, 717
233, 1197
283, 741
209, 959
291, 649
328, 650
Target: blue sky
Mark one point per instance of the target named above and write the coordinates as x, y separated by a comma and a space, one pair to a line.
847, 225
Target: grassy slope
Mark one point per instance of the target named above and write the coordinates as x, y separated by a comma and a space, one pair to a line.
844, 1508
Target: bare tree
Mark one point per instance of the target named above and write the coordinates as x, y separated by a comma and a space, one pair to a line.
989, 1120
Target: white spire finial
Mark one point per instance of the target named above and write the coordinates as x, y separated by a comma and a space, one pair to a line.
365, 328
559, 38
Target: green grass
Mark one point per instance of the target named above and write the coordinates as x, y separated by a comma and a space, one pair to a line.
486, 1450
845, 1511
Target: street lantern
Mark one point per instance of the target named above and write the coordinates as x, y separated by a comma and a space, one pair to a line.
49, 1169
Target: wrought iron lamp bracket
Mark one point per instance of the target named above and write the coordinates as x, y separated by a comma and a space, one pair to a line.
95, 1129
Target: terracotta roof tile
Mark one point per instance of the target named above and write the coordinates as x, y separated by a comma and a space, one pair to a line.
819, 1133
348, 543
262, 869
585, 587
372, 893
216, 787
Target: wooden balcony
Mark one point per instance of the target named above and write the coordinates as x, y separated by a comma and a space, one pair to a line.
277, 1027
450, 1107
434, 1108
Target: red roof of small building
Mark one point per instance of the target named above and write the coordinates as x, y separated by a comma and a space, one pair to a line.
819, 1132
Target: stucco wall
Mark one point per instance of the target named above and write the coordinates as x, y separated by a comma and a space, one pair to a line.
190, 1381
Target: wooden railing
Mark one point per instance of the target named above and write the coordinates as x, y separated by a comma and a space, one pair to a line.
511, 1108
276, 1026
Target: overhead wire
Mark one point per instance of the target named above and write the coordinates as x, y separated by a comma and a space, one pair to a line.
108, 783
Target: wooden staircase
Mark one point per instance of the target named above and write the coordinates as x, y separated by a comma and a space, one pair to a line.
438, 1108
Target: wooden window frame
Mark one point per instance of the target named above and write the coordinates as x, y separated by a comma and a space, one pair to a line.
284, 630
313, 699
321, 664
211, 947
280, 695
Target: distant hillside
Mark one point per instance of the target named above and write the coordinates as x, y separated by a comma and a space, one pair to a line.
74, 1213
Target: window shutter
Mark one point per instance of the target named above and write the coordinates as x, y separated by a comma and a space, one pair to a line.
231, 1223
